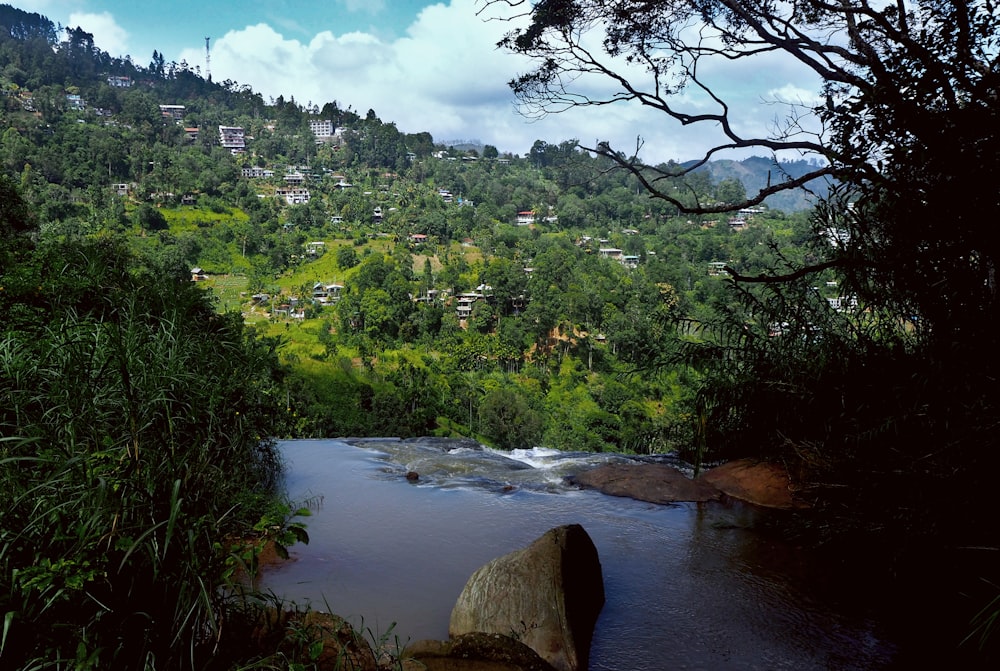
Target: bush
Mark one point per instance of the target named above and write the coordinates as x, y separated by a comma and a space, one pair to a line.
132, 453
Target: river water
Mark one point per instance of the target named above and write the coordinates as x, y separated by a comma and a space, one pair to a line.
688, 586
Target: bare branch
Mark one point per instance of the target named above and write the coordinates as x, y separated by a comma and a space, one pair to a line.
789, 277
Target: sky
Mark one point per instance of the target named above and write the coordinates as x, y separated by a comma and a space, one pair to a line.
424, 66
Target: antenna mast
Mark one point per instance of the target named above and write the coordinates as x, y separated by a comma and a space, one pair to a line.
208, 61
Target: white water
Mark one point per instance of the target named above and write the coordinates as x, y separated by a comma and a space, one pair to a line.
688, 586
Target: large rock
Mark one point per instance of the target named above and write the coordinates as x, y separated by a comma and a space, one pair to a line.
655, 483
547, 596
758, 482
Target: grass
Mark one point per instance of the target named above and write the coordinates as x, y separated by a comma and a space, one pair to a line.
135, 426
190, 218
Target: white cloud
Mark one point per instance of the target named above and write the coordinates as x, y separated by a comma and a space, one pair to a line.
446, 76
108, 35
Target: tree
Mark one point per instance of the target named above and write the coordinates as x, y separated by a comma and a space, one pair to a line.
346, 257
906, 124
149, 218
507, 418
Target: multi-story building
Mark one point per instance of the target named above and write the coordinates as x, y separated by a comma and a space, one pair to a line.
233, 138
175, 112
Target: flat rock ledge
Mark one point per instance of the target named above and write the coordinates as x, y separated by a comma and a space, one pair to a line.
761, 483
655, 483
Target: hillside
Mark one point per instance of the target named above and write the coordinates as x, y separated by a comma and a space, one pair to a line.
388, 263
369, 282
757, 172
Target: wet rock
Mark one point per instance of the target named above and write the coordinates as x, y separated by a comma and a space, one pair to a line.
445, 444
655, 483
477, 651
412, 476
547, 596
761, 483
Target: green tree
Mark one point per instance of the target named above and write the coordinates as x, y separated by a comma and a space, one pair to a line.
346, 257
906, 122
506, 417
149, 218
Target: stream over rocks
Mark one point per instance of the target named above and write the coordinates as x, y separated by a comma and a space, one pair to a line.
688, 586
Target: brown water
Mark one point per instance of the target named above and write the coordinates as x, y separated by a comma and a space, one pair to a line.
688, 586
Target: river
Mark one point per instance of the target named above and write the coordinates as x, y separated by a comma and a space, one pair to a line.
689, 586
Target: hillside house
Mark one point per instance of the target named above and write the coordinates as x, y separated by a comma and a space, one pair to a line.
717, 268
418, 238
611, 253
289, 310
322, 129
464, 304
253, 172
119, 82
293, 196
327, 294
175, 112
525, 218
233, 138
198, 275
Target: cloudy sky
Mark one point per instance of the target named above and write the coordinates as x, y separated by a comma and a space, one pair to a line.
425, 66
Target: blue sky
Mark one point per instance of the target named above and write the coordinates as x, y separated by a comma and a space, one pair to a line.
425, 66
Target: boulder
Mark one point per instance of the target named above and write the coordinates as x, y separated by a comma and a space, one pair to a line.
547, 596
655, 483
758, 482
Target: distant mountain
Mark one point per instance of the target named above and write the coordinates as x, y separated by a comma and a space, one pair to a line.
757, 171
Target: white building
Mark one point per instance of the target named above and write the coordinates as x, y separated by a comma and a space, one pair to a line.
294, 196
323, 129
257, 173
233, 138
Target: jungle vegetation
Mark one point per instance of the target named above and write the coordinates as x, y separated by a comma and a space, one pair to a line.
639, 308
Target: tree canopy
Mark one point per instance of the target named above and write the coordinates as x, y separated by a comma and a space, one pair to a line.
900, 386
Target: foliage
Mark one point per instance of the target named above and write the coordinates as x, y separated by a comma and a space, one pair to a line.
886, 393
506, 417
134, 422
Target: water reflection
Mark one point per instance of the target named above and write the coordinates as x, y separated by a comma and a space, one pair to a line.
688, 586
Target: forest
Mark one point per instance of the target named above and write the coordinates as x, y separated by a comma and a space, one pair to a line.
173, 302
570, 314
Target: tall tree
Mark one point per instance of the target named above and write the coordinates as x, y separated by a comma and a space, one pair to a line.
900, 386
